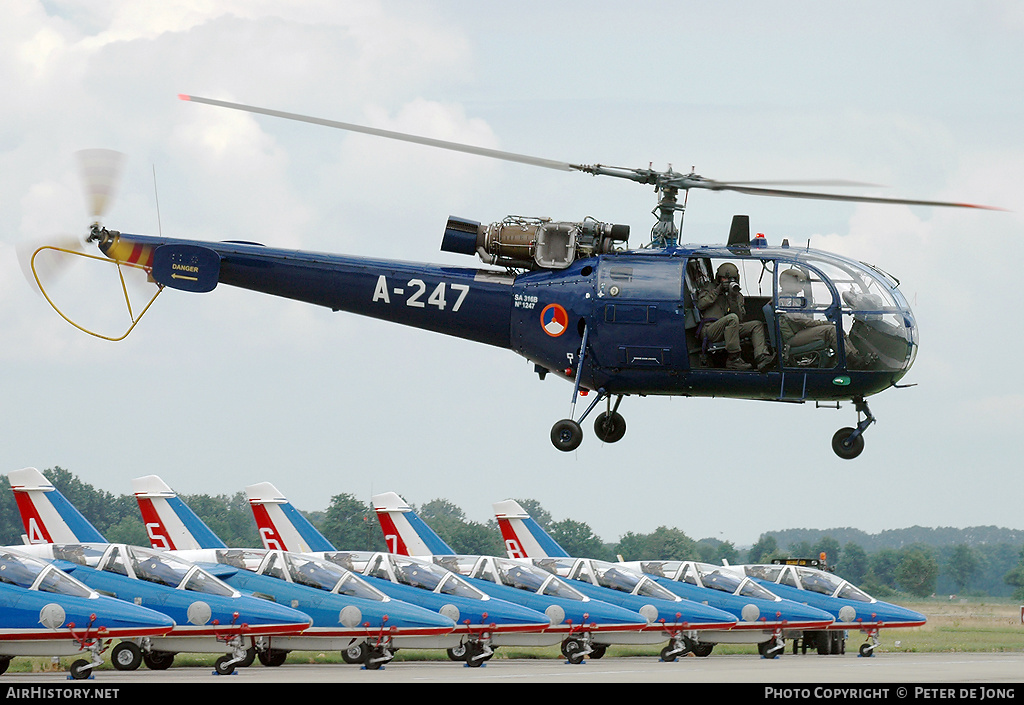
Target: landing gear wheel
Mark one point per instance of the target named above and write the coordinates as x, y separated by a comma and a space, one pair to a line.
80, 670
837, 643
356, 653
702, 650
668, 653
598, 651
845, 448
376, 657
866, 650
457, 653
573, 651
5, 662
610, 427
126, 656
158, 660
824, 643
250, 656
566, 435
769, 649
273, 657
223, 667
475, 655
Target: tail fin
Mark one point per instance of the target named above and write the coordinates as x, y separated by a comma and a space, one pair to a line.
404, 532
169, 522
524, 537
49, 517
281, 526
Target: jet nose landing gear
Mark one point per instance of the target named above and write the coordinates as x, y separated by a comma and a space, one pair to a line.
848, 443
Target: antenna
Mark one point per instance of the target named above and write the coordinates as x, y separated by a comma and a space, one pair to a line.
156, 196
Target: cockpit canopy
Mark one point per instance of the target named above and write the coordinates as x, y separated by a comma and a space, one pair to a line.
35, 574
403, 570
301, 569
810, 579
708, 576
514, 574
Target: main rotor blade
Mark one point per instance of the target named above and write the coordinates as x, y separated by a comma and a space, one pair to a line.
100, 170
783, 193
390, 134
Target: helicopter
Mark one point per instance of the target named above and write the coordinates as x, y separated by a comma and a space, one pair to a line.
573, 298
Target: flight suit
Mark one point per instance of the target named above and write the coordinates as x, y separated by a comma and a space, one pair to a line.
727, 310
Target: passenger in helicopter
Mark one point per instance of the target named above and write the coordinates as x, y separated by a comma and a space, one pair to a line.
721, 307
800, 329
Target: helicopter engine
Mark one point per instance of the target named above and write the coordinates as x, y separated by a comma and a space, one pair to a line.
532, 243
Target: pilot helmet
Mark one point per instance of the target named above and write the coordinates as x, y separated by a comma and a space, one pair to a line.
728, 270
792, 280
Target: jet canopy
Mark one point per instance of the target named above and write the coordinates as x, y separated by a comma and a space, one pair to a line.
144, 564
810, 579
514, 574
403, 570
708, 576
608, 575
35, 574
301, 569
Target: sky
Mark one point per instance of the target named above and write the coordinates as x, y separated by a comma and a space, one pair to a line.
217, 391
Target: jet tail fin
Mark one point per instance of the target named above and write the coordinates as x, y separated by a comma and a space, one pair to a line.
404, 532
47, 515
281, 526
170, 524
524, 537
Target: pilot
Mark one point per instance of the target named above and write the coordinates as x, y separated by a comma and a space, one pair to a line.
721, 307
800, 328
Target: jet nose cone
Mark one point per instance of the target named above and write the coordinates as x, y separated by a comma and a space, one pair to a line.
891, 614
797, 613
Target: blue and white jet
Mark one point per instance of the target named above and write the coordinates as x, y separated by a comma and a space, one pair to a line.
761, 617
46, 612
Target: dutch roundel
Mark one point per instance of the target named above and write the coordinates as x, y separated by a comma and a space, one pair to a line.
554, 320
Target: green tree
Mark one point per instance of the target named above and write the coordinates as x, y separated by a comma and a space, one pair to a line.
351, 525
882, 569
1015, 577
917, 571
577, 538
662, 544
962, 566
853, 563
763, 550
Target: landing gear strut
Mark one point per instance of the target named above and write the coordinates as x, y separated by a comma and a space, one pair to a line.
848, 443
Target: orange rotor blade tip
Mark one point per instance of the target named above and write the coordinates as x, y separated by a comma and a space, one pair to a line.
182, 96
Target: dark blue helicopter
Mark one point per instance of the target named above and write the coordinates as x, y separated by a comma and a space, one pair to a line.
570, 297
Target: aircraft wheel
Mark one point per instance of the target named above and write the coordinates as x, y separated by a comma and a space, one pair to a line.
668, 654
824, 643
702, 650
571, 648
158, 660
273, 657
457, 653
475, 655
80, 670
375, 658
769, 649
610, 427
598, 651
866, 650
222, 667
356, 653
847, 450
5, 662
250, 656
566, 435
837, 643
126, 656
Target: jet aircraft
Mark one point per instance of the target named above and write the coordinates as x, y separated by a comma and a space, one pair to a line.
479, 620
46, 612
575, 618
209, 616
851, 607
762, 617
